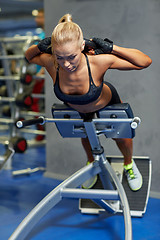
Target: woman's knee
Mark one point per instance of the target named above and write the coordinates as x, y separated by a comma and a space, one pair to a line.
118, 139
123, 140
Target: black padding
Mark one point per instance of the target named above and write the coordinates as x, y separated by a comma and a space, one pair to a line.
120, 106
59, 106
119, 111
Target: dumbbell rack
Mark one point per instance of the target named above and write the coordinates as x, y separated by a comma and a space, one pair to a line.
15, 90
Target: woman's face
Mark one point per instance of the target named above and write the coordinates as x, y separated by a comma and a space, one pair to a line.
68, 55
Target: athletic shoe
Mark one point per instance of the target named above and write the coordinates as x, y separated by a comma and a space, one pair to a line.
133, 175
90, 182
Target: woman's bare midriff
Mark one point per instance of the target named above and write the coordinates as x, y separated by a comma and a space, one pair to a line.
100, 103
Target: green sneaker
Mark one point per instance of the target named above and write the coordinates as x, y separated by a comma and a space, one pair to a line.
90, 182
133, 175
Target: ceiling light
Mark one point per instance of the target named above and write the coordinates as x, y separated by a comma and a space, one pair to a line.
35, 12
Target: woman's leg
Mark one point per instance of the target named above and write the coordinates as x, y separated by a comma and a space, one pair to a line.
125, 145
90, 182
87, 147
134, 177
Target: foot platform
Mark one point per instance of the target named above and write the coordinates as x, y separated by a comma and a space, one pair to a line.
137, 199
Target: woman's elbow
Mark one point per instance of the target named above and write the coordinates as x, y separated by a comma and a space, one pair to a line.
31, 53
27, 56
148, 62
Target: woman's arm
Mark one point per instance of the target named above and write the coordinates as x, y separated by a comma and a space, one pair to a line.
33, 55
129, 58
116, 57
40, 53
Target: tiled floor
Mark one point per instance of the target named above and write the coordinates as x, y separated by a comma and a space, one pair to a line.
18, 195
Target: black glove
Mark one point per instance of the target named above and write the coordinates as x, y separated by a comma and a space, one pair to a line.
103, 46
45, 45
89, 45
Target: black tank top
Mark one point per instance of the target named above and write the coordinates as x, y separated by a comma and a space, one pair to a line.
92, 94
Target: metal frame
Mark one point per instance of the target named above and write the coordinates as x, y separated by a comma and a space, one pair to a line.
70, 188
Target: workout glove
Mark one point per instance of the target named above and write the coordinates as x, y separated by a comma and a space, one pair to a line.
103, 46
45, 45
89, 45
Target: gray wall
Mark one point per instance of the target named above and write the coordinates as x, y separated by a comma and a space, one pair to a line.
132, 24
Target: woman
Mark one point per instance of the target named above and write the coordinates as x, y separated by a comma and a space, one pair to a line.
78, 78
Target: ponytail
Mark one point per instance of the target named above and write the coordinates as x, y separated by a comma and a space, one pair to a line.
66, 18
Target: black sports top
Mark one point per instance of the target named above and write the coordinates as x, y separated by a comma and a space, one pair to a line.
92, 94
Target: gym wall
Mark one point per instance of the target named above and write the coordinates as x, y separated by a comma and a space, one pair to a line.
132, 24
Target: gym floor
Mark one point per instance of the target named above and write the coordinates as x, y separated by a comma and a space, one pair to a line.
20, 194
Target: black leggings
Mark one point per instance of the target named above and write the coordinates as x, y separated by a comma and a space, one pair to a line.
115, 99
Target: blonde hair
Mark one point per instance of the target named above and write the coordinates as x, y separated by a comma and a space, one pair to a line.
66, 31
66, 18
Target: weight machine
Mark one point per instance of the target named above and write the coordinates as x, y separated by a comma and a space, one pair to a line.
112, 194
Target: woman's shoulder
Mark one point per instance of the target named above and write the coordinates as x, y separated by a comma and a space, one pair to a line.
101, 60
48, 61
49, 64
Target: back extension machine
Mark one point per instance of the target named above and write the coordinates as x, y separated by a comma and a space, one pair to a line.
111, 192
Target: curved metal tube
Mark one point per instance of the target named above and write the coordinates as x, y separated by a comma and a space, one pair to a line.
126, 211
